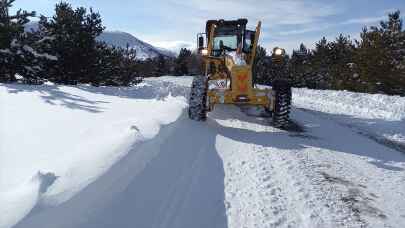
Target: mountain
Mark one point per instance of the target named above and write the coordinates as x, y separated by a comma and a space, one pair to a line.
143, 49
122, 39
31, 26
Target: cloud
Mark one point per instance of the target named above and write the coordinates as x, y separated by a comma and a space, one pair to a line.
364, 20
189, 17
274, 12
305, 30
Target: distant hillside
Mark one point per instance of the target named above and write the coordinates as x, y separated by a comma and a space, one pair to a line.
122, 39
143, 49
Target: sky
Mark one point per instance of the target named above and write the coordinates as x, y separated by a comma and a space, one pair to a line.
286, 23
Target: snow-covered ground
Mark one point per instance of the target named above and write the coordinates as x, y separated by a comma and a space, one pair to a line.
380, 117
74, 134
130, 157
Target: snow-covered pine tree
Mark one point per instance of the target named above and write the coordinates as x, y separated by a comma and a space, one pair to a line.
73, 33
11, 36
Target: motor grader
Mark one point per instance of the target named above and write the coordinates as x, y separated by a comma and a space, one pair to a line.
228, 50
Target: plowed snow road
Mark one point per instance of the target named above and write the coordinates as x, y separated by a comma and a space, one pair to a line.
235, 170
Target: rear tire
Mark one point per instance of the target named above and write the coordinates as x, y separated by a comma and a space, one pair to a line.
198, 99
282, 106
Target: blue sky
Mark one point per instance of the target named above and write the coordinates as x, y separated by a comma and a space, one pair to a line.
286, 23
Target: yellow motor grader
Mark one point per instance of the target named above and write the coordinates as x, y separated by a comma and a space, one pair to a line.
228, 50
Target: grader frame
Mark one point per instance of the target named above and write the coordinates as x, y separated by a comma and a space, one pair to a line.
229, 57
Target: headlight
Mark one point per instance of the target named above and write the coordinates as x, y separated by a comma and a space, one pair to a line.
204, 52
278, 51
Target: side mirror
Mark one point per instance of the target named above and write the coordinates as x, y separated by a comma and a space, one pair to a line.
200, 43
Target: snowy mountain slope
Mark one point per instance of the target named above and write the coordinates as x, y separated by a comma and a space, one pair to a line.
235, 170
31, 26
143, 49
123, 39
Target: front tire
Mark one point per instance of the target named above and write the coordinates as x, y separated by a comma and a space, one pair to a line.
198, 99
282, 106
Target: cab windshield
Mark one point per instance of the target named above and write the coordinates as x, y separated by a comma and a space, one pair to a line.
229, 41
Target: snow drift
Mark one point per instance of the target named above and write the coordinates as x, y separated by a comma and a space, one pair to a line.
378, 116
77, 133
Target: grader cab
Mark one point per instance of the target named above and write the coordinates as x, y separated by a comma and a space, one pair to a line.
228, 50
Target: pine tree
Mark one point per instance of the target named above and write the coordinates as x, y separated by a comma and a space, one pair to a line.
195, 64
320, 62
116, 66
72, 39
260, 67
379, 56
342, 63
181, 67
11, 36
160, 66
129, 74
300, 69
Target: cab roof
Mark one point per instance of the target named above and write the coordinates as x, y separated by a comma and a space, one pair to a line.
236, 24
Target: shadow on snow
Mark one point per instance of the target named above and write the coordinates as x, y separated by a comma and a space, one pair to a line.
318, 133
173, 180
51, 94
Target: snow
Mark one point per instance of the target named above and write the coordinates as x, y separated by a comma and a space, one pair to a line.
46, 38
5, 51
36, 54
173, 46
379, 116
77, 133
130, 157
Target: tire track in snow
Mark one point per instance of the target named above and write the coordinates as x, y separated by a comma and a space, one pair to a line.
298, 188
261, 188
359, 175
254, 197
267, 186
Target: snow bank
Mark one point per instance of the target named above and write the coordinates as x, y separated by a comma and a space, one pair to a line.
358, 105
76, 133
18, 203
378, 116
